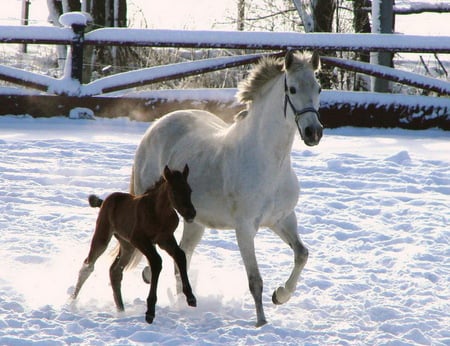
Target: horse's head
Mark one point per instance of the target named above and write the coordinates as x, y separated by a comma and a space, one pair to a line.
180, 192
302, 95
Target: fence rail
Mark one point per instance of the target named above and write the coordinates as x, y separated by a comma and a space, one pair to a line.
229, 39
73, 35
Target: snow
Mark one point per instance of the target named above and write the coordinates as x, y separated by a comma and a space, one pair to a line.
142, 76
18, 34
265, 40
75, 18
421, 6
224, 39
409, 78
374, 213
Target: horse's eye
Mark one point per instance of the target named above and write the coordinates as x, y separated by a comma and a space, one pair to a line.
320, 90
292, 90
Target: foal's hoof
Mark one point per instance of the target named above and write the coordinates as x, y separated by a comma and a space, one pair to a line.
192, 301
149, 318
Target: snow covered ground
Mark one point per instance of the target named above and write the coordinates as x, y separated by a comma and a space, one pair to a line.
374, 212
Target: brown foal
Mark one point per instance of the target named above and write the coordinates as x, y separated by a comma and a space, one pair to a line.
141, 222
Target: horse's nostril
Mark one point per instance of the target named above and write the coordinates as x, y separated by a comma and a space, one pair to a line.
308, 132
320, 132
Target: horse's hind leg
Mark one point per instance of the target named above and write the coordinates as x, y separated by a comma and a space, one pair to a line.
99, 243
116, 271
179, 257
287, 230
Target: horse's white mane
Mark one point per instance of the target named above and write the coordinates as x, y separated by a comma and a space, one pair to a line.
267, 69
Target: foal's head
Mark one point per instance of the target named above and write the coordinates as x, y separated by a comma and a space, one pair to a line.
180, 192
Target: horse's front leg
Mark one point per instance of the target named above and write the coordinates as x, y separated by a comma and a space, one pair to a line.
179, 257
287, 231
192, 234
246, 241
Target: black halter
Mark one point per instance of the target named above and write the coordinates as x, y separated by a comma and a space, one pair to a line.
296, 112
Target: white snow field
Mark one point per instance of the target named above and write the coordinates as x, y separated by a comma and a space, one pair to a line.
374, 212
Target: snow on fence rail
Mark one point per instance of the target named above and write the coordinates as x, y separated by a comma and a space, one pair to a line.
440, 86
74, 36
230, 39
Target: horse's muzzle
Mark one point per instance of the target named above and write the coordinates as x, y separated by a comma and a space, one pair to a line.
312, 135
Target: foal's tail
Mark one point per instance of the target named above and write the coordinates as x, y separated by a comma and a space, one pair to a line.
95, 201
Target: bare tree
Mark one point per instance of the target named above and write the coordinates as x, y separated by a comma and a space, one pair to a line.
361, 22
317, 16
105, 13
267, 15
241, 15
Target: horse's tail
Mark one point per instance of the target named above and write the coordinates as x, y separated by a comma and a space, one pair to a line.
137, 255
95, 201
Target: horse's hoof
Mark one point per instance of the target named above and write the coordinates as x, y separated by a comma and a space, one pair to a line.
149, 318
274, 298
260, 323
147, 274
280, 296
192, 301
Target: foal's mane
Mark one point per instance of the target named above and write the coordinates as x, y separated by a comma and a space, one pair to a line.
267, 69
155, 186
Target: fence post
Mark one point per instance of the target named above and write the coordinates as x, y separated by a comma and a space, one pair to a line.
383, 23
78, 21
25, 18
77, 46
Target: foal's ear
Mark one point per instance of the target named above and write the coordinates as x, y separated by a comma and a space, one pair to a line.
315, 60
167, 173
186, 171
288, 59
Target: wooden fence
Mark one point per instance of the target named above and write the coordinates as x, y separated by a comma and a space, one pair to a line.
69, 91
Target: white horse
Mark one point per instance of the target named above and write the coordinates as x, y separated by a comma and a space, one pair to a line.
241, 174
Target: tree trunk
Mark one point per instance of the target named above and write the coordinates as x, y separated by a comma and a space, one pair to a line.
361, 23
240, 15
317, 16
323, 12
56, 8
323, 15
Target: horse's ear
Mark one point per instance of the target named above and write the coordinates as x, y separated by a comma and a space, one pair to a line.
186, 171
315, 60
167, 173
288, 59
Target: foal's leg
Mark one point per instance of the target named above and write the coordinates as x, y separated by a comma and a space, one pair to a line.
287, 230
99, 243
148, 249
116, 271
179, 257
245, 235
